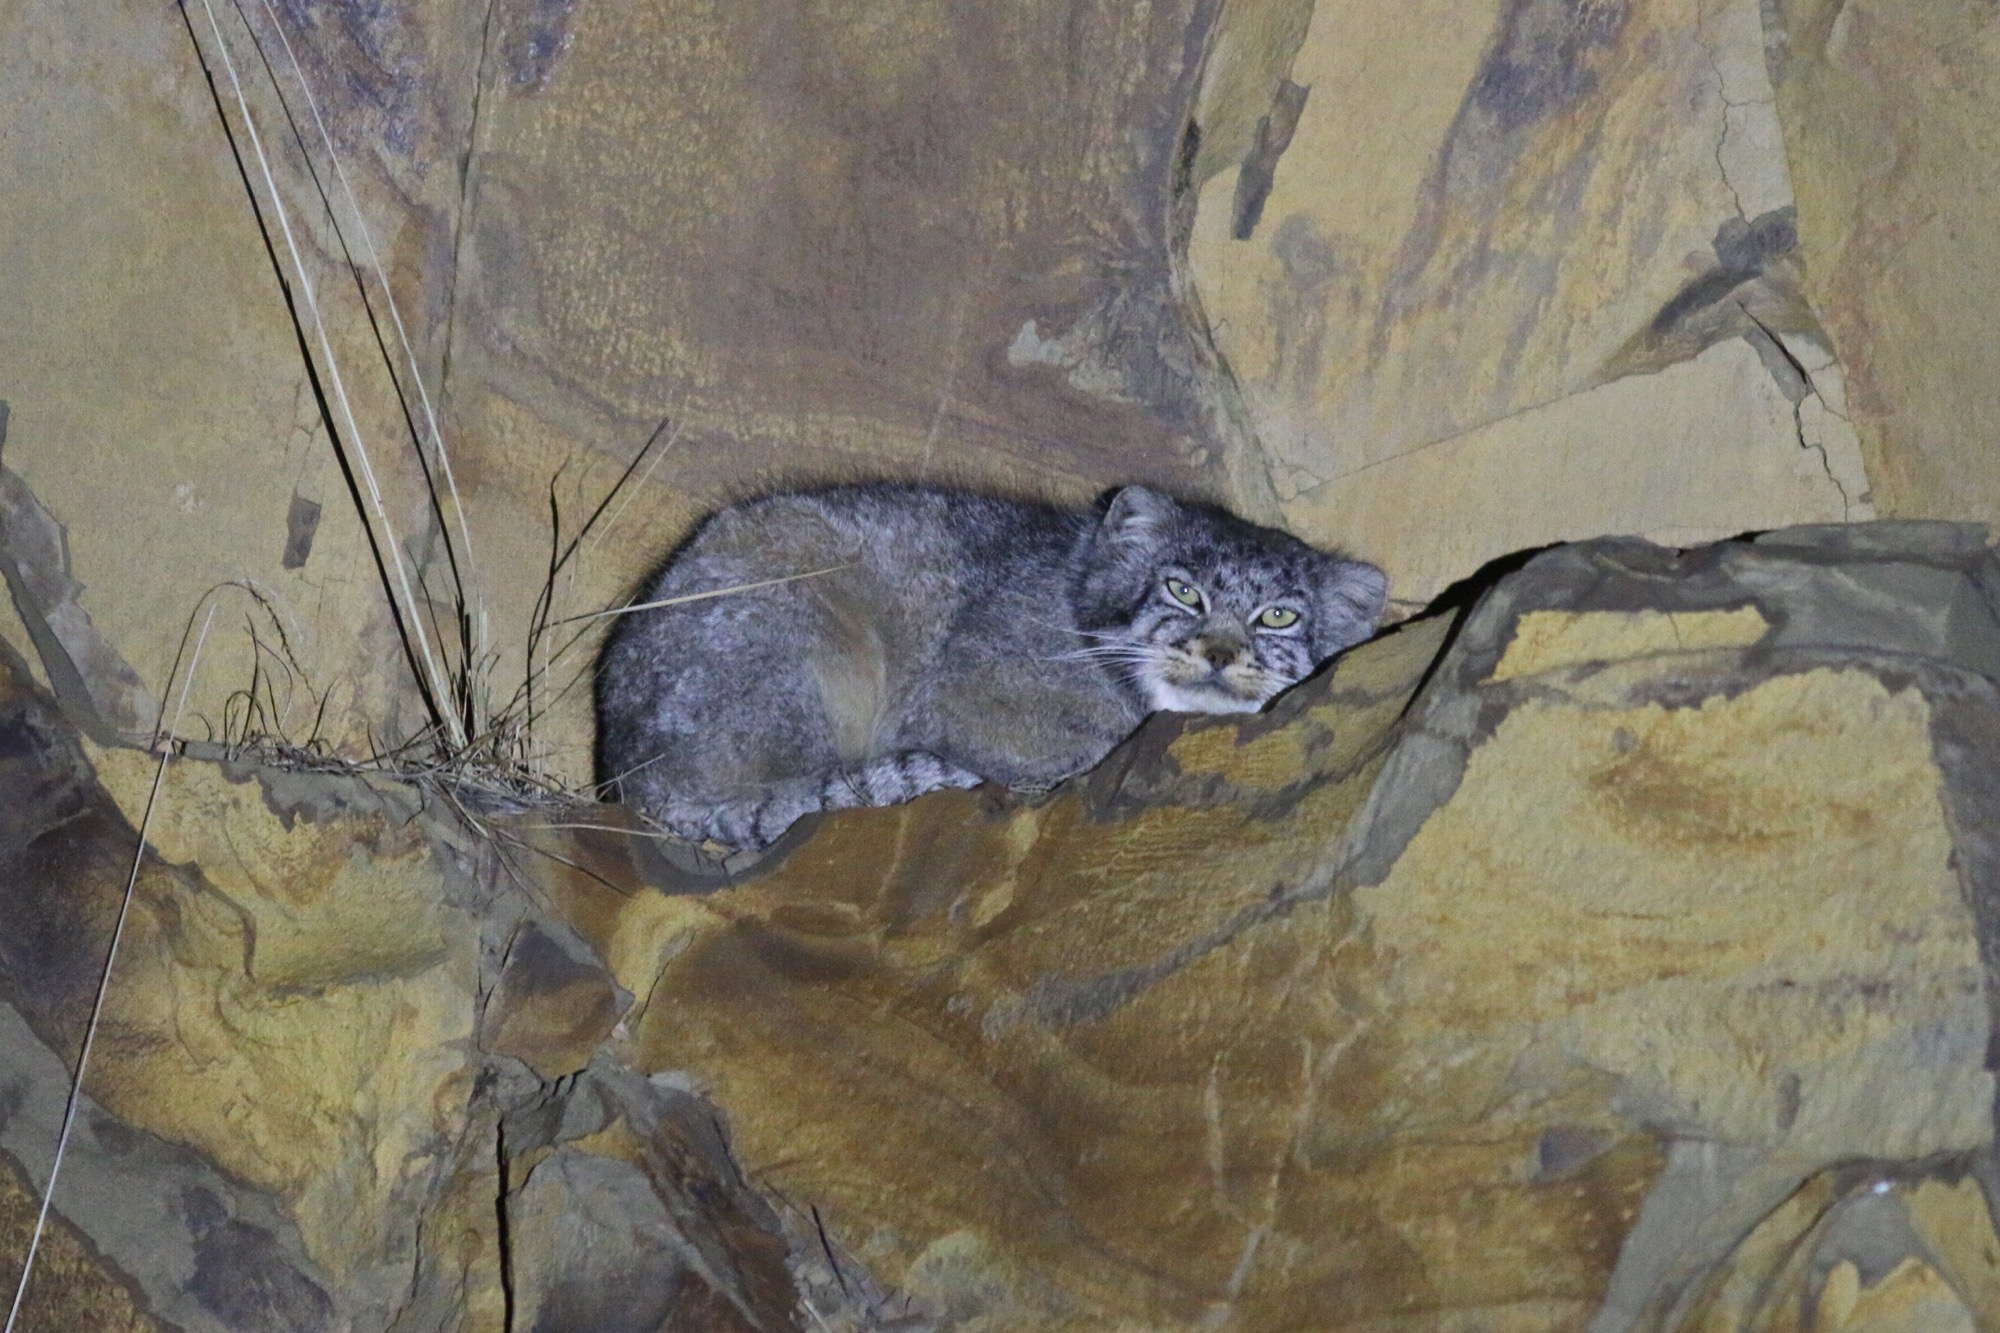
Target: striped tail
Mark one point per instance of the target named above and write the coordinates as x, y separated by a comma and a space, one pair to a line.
757, 821
891, 780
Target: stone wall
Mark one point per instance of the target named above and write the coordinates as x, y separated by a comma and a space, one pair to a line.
1438, 283
1611, 947
1619, 953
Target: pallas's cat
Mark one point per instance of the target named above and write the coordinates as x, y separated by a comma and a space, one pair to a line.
946, 639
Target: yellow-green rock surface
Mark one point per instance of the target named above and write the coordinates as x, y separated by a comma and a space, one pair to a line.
1613, 955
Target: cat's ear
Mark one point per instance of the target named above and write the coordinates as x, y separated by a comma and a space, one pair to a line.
1136, 514
1354, 599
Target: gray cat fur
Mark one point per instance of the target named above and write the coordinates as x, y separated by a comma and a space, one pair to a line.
958, 638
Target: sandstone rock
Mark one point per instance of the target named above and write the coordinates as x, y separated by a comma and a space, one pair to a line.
1618, 954
1889, 116
1615, 954
1526, 250
1536, 267
908, 243
1652, 912
553, 1003
145, 1218
160, 421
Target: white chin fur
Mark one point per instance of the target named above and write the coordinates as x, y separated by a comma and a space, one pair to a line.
1168, 698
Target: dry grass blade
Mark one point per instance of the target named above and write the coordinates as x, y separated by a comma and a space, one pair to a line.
535, 705
618, 513
431, 678
163, 742
388, 295
513, 725
702, 596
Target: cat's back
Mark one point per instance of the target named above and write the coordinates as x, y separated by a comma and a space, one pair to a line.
816, 620
927, 543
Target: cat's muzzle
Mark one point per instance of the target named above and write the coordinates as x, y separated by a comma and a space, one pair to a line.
1215, 676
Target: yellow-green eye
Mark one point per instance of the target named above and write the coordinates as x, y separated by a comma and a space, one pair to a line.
1183, 593
1278, 617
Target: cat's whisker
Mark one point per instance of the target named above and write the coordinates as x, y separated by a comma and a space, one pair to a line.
1111, 647
1106, 652
1111, 659
1106, 635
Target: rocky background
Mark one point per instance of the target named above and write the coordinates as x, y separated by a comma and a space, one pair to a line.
1618, 954
1611, 946
1436, 282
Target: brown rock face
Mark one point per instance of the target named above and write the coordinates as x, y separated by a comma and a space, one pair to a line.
1461, 258
1433, 281
1616, 954
825, 243
1890, 119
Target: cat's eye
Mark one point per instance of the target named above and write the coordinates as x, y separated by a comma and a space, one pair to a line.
1184, 593
1278, 617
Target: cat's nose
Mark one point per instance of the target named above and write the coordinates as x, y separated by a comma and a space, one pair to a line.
1218, 654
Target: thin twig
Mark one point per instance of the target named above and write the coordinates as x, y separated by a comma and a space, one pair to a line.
621, 830
560, 556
